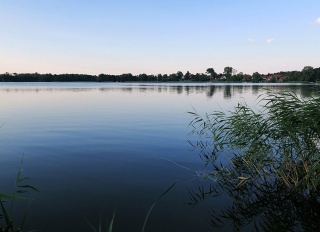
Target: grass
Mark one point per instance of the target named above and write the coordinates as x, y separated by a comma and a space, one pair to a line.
7, 201
267, 161
280, 141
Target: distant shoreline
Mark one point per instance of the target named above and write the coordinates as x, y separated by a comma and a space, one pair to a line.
169, 82
230, 75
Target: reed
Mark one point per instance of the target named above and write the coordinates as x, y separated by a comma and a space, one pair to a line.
7, 201
267, 159
279, 141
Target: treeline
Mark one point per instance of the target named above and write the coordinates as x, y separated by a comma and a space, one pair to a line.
308, 74
126, 77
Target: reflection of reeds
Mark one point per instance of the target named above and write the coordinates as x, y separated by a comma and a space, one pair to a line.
264, 154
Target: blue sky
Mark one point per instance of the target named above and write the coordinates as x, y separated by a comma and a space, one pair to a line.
153, 36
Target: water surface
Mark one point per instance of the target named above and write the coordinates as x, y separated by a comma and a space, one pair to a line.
93, 148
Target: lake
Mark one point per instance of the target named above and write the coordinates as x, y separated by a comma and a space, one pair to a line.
99, 148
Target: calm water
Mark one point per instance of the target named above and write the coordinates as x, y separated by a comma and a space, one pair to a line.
93, 148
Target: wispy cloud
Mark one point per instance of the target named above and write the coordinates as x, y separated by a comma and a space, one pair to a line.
270, 40
318, 20
251, 40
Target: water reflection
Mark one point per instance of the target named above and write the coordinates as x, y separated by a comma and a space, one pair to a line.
108, 135
228, 90
259, 206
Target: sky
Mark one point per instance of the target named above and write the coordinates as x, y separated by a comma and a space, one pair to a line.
158, 36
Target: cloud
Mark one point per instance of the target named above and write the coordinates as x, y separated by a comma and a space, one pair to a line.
251, 40
318, 20
270, 40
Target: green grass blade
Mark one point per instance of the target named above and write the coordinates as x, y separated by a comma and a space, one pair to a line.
11, 197
25, 216
167, 190
111, 223
6, 217
148, 214
90, 225
29, 187
146, 219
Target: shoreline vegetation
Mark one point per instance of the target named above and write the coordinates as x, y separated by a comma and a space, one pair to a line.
307, 74
267, 161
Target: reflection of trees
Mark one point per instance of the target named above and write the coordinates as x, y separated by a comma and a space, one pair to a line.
187, 89
143, 89
211, 90
179, 89
199, 89
267, 162
45, 89
255, 89
127, 89
308, 91
227, 91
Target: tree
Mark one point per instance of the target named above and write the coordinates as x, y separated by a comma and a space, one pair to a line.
228, 71
143, 77
273, 79
179, 75
126, 77
307, 74
317, 74
212, 73
187, 76
240, 76
256, 77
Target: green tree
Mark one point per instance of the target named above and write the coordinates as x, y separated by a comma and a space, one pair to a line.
307, 74
212, 73
143, 77
273, 79
179, 75
256, 77
228, 72
240, 76
187, 76
317, 74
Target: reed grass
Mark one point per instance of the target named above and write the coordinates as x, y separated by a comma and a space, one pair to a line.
267, 159
7, 201
279, 141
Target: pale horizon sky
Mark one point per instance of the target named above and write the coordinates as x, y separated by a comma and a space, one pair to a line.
153, 36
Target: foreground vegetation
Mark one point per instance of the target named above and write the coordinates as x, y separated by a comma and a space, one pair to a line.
7, 201
307, 74
267, 160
